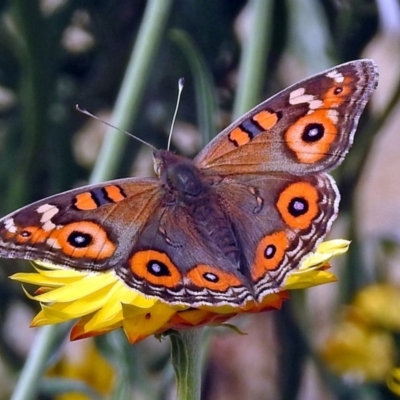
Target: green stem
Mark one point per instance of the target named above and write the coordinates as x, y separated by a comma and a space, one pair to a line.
37, 60
126, 109
46, 340
186, 360
254, 58
127, 105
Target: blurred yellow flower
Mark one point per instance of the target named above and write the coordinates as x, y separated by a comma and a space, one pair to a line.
361, 347
101, 302
83, 362
358, 352
379, 304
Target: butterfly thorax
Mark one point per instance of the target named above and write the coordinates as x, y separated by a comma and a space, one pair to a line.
180, 175
188, 188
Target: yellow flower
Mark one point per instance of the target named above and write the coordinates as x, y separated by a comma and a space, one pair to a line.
379, 304
359, 352
361, 346
77, 362
101, 302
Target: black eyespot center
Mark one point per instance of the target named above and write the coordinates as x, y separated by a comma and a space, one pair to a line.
338, 90
25, 234
298, 206
270, 251
157, 268
313, 132
208, 276
80, 239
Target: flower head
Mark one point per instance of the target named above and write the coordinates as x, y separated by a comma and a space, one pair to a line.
361, 347
359, 352
101, 302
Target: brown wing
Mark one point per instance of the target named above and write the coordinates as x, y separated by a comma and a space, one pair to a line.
92, 227
308, 127
275, 220
279, 219
179, 260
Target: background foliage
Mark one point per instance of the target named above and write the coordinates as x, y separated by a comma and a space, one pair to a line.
58, 53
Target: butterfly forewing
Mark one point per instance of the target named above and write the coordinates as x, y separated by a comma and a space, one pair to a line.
306, 128
87, 228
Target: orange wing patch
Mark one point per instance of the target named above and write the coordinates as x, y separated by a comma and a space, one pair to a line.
266, 119
339, 93
98, 197
115, 193
85, 202
239, 137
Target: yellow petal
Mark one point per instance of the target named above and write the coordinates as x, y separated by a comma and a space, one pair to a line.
102, 302
139, 326
324, 252
312, 270
41, 280
82, 330
49, 316
79, 289
307, 279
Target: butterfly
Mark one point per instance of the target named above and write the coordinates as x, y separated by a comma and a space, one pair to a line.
224, 228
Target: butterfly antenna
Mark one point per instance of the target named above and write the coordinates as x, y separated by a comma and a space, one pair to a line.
181, 84
86, 112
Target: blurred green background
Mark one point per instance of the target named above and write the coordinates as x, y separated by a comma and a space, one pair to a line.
339, 341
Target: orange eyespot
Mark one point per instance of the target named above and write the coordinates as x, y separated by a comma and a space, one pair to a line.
298, 205
311, 136
269, 254
31, 234
205, 276
83, 239
156, 268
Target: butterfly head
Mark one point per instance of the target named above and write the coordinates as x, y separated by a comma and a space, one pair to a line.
178, 173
